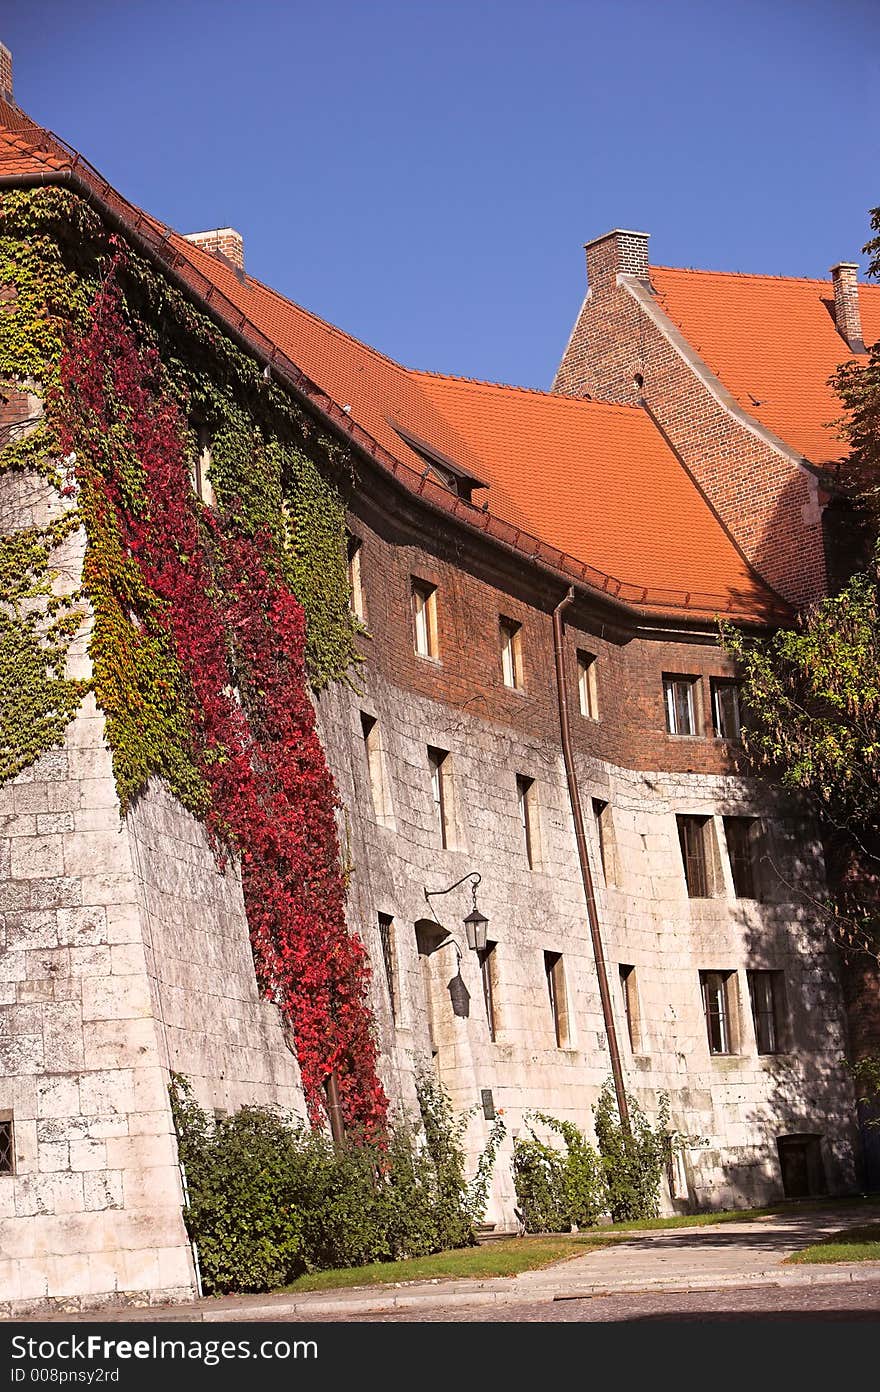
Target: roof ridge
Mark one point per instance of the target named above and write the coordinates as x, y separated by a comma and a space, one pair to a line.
526, 391
760, 275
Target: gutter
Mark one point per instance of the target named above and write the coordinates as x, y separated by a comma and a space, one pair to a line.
583, 857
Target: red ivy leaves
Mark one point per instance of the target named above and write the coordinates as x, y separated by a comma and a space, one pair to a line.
239, 637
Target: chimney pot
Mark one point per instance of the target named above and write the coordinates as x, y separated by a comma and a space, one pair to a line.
847, 315
5, 73
620, 252
224, 241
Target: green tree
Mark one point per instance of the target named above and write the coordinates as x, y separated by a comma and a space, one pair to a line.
812, 692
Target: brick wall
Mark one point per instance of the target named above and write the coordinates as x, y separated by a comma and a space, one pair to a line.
768, 504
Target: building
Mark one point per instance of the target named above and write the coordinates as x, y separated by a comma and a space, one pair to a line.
196, 467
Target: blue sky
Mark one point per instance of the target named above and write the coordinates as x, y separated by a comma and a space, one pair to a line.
425, 174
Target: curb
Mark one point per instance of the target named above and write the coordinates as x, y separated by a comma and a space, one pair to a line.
376, 1304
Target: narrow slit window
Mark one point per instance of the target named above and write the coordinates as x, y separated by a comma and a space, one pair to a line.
7, 1146
607, 842
630, 995
487, 973
440, 766
554, 971
200, 471
680, 701
588, 698
355, 580
511, 654
424, 607
386, 937
525, 797
376, 769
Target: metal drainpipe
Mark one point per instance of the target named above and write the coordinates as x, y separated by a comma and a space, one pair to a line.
586, 876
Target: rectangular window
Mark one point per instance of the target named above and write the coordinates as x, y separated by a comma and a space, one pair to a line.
630, 994
607, 842
511, 653
487, 972
697, 839
441, 791
7, 1145
200, 471
726, 713
525, 796
386, 936
745, 847
765, 996
555, 974
424, 606
355, 585
718, 1007
376, 769
680, 700
588, 699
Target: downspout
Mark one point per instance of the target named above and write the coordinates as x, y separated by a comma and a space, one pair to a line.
586, 876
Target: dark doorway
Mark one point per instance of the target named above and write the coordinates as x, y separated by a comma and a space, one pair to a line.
800, 1159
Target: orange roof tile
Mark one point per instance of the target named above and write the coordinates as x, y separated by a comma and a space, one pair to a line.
587, 488
773, 343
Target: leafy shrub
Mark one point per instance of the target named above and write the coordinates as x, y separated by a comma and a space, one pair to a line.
557, 1190
268, 1198
632, 1163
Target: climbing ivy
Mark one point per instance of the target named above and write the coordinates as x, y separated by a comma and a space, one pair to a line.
209, 623
36, 630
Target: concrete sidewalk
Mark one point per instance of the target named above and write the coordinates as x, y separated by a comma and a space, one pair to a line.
672, 1259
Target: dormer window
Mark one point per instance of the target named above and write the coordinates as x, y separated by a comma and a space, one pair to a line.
439, 468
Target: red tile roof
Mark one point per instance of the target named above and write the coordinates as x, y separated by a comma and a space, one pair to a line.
589, 489
773, 344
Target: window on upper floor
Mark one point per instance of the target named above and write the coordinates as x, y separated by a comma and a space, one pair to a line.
726, 709
440, 765
681, 700
588, 696
746, 850
511, 653
355, 579
766, 1000
424, 608
554, 971
718, 990
528, 816
699, 854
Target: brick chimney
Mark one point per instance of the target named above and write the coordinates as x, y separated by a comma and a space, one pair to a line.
847, 315
224, 240
5, 74
616, 253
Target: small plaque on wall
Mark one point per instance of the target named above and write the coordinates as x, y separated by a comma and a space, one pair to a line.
488, 1104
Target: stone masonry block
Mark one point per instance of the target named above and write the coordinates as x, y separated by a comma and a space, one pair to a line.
116, 998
